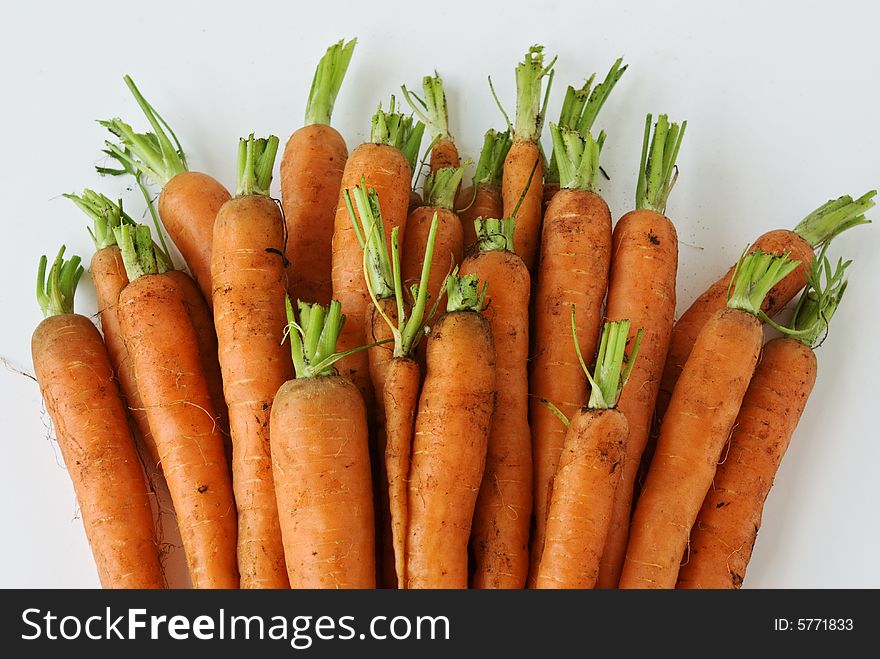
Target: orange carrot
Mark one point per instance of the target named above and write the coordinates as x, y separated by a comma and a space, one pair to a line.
523, 173
384, 164
644, 260
249, 289
311, 175
483, 197
76, 380
164, 349
451, 435
701, 414
321, 461
431, 111
589, 469
189, 201
500, 534
575, 257
724, 534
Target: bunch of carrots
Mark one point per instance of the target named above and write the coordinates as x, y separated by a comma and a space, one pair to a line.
405, 381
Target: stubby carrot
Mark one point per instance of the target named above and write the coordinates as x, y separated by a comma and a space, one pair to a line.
77, 382
697, 424
483, 197
724, 534
589, 469
431, 111
452, 429
249, 314
311, 175
644, 261
321, 461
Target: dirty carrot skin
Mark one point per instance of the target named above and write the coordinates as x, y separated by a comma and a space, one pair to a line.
644, 262
573, 270
76, 379
483, 197
589, 469
451, 436
189, 201
500, 533
523, 167
440, 189
385, 163
311, 175
108, 275
815, 230
701, 415
580, 108
321, 461
431, 111
162, 344
250, 317
724, 534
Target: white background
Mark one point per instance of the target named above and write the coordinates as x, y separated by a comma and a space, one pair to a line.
781, 100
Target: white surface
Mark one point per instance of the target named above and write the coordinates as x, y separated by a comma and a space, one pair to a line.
781, 104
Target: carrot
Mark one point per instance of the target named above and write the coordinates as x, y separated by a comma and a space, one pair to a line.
311, 175
483, 197
500, 533
440, 190
575, 258
580, 107
76, 380
816, 229
590, 467
644, 261
451, 435
523, 167
385, 163
163, 346
701, 414
108, 275
189, 201
249, 288
321, 461
724, 534
431, 111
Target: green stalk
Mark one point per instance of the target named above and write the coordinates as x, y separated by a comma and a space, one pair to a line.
495, 235
327, 81
496, 144
530, 109
431, 110
577, 157
463, 292
256, 158
56, 291
394, 129
140, 255
657, 170
753, 277
834, 217
371, 235
441, 186
104, 213
313, 337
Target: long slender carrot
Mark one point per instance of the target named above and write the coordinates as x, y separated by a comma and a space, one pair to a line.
701, 414
816, 229
189, 201
483, 197
500, 533
77, 383
311, 175
451, 436
584, 486
249, 314
580, 107
523, 172
432, 111
164, 349
575, 258
724, 534
321, 461
385, 163
644, 261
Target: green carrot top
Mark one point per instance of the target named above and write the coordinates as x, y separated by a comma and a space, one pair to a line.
834, 217
612, 364
754, 275
395, 129
55, 291
441, 186
327, 81
313, 337
530, 108
105, 214
657, 170
496, 144
463, 292
431, 110
576, 155
495, 235
256, 158
140, 255
370, 233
